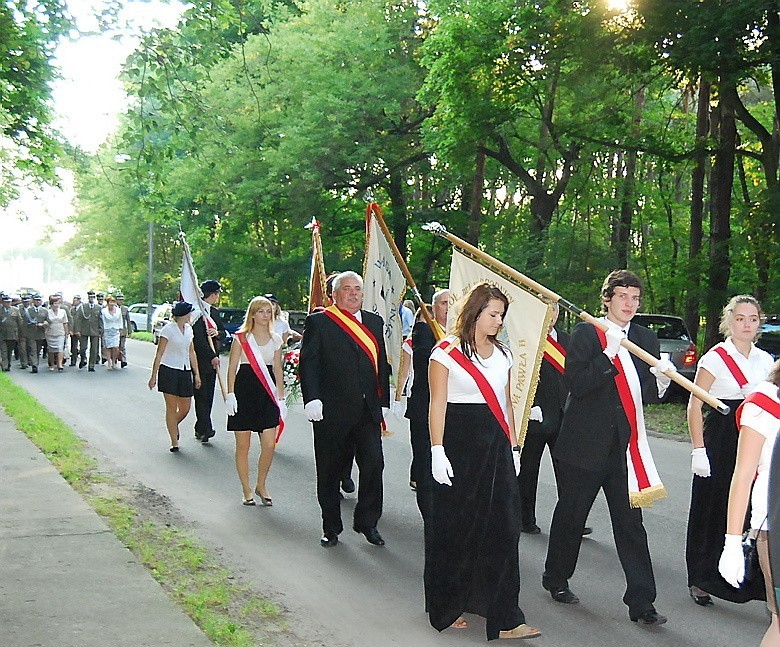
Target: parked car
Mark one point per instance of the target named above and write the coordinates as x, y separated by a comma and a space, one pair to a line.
232, 318
770, 336
297, 320
161, 316
674, 339
138, 312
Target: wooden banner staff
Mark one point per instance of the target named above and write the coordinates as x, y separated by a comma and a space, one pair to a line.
374, 208
440, 230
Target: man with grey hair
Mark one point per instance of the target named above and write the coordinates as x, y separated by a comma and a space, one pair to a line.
345, 382
423, 341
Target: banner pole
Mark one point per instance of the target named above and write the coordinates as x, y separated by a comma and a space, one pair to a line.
441, 231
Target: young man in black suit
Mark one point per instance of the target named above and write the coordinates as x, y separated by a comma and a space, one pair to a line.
346, 390
606, 385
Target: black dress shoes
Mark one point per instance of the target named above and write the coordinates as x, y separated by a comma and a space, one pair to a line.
702, 599
564, 595
372, 536
348, 485
651, 617
586, 530
329, 540
531, 529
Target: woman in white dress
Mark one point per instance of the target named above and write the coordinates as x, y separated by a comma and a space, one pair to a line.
56, 333
255, 401
111, 316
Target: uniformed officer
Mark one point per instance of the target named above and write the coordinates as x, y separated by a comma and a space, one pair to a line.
73, 330
21, 349
34, 321
126, 329
89, 324
10, 325
101, 301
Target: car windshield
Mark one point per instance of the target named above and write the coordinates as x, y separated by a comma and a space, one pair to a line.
664, 327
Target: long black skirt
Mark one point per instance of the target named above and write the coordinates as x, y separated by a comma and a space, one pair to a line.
473, 527
709, 507
256, 410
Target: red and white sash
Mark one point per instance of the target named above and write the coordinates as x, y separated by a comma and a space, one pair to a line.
483, 385
261, 371
644, 484
761, 400
555, 353
359, 333
733, 367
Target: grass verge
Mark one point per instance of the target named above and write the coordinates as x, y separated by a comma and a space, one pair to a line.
668, 418
142, 336
228, 611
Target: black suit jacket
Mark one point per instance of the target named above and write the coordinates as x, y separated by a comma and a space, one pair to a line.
423, 342
594, 415
551, 393
334, 369
201, 341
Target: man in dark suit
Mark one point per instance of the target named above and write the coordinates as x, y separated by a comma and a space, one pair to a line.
544, 423
346, 390
207, 353
592, 446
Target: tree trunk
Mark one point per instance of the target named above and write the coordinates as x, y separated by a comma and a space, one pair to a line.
400, 216
475, 207
721, 184
697, 211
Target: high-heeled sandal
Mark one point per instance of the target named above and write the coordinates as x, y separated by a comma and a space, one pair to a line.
267, 501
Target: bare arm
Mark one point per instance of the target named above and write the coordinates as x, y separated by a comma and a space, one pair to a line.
704, 379
156, 363
279, 374
194, 365
437, 378
233, 360
748, 455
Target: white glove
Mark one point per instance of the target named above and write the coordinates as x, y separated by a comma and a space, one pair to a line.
747, 389
665, 365
536, 414
397, 408
282, 408
732, 561
614, 337
516, 459
385, 411
700, 464
231, 404
313, 410
440, 465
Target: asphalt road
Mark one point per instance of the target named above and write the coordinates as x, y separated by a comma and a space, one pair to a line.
357, 594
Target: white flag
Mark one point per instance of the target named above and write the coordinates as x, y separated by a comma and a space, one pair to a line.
524, 331
189, 287
384, 287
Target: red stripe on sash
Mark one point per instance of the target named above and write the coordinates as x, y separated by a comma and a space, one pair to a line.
553, 360
739, 376
627, 400
242, 339
761, 400
482, 384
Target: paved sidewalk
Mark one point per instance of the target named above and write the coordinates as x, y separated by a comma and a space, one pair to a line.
65, 579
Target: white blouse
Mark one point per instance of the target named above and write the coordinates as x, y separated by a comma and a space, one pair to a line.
461, 387
266, 350
177, 350
755, 366
111, 321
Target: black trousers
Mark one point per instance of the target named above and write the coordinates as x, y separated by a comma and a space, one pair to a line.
332, 445
528, 479
420, 470
577, 489
204, 399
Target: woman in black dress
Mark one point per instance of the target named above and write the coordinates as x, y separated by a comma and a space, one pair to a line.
472, 528
255, 400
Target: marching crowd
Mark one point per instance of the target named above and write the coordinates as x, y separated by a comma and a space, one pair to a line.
475, 485
87, 333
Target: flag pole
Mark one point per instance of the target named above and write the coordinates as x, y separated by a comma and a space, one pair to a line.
440, 230
373, 208
318, 263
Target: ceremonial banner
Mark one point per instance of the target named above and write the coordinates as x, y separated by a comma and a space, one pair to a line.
384, 286
524, 331
189, 287
317, 292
